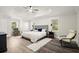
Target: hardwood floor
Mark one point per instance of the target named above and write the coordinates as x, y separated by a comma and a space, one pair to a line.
19, 45
55, 47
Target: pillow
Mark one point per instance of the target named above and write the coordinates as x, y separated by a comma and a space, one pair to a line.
35, 30
70, 35
43, 30
40, 29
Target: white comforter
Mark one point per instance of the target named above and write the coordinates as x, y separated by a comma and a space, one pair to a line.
34, 36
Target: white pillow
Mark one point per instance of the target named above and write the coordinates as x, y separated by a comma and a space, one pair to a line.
35, 30
43, 30
70, 35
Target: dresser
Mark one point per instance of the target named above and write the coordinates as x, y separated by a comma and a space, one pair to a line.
3, 42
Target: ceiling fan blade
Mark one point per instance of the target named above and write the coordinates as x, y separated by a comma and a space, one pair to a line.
30, 9
26, 7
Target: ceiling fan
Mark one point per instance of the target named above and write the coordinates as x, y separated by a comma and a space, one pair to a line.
31, 9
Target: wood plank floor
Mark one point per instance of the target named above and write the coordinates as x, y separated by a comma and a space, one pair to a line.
18, 45
55, 47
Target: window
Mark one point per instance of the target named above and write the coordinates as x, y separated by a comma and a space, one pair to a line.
55, 25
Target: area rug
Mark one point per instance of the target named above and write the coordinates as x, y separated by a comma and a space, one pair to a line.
36, 46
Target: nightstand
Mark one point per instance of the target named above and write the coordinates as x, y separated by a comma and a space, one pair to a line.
51, 34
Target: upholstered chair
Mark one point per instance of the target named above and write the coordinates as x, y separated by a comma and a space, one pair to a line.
67, 40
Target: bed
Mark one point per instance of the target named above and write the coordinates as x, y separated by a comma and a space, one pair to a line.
33, 36
36, 35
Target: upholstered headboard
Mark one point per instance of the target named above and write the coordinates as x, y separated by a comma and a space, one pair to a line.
41, 26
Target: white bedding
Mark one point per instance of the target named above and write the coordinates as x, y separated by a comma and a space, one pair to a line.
33, 36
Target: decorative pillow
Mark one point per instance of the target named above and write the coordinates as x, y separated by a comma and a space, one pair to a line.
70, 35
35, 30
40, 29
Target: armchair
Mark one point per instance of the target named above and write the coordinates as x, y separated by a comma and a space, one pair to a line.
67, 40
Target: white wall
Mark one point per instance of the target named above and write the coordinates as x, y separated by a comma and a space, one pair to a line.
67, 22
3, 25
78, 22
77, 39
